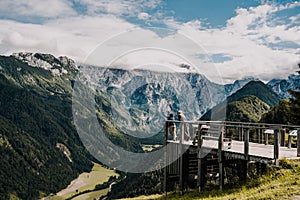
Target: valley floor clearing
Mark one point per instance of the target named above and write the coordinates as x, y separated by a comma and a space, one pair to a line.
87, 181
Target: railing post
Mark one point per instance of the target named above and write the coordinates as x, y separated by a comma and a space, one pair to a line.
181, 158
221, 140
266, 138
199, 174
262, 135
276, 145
263, 138
181, 132
166, 132
290, 141
220, 159
246, 144
259, 135
298, 143
240, 133
165, 156
282, 137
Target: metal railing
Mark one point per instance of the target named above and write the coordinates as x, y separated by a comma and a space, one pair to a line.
193, 132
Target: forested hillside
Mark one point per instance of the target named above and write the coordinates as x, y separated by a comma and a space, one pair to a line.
287, 111
247, 104
41, 151
33, 128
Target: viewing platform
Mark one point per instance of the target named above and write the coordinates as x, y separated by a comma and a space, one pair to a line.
205, 149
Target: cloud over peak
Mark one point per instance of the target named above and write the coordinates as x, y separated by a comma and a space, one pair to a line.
262, 40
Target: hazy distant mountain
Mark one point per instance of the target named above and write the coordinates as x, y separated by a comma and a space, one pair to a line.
141, 99
238, 84
247, 104
281, 86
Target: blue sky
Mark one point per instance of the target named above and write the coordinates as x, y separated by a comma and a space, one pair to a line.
214, 12
241, 38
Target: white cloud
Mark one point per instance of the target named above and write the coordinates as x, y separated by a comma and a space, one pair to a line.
119, 7
143, 16
142, 48
245, 39
74, 37
35, 8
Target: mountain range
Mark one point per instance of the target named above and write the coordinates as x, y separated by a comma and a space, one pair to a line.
40, 147
141, 99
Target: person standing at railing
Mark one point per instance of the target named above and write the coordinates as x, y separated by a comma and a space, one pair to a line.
172, 127
184, 128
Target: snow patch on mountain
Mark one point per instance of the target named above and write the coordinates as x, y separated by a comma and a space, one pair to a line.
55, 65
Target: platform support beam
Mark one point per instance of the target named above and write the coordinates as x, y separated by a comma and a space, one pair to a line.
221, 157
298, 143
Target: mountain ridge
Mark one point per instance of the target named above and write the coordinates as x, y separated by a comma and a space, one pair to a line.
264, 97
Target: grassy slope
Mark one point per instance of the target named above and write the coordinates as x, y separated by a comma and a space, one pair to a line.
278, 184
92, 195
88, 181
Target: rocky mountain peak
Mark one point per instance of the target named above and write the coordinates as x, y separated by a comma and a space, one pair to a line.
58, 66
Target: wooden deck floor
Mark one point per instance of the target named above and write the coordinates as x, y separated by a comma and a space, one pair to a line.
255, 149
262, 150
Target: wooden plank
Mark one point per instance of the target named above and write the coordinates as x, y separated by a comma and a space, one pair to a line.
209, 137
